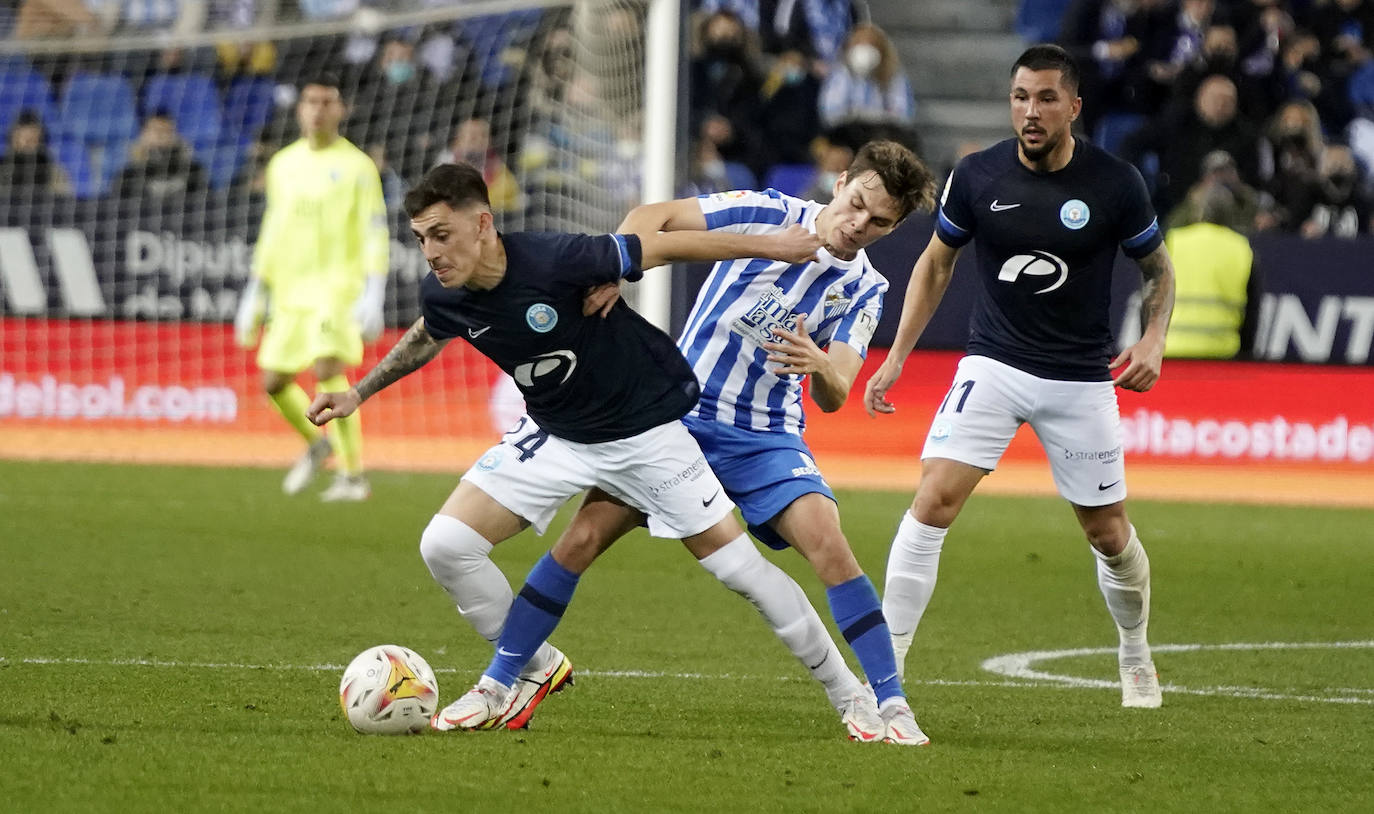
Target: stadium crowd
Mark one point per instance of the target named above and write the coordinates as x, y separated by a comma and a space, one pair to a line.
781, 94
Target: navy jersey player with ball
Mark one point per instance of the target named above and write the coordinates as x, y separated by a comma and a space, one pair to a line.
1047, 212
604, 397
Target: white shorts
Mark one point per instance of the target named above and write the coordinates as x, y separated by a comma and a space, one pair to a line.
1078, 425
661, 472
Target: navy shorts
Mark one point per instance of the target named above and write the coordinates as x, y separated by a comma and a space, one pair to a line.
762, 472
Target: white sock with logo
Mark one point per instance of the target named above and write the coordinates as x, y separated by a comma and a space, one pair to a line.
784, 606
459, 559
1125, 583
912, 566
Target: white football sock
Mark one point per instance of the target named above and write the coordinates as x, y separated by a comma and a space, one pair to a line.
742, 569
912, 565
459, 559
1125, 583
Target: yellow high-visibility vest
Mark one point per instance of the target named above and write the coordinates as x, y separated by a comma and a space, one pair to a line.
1211, 270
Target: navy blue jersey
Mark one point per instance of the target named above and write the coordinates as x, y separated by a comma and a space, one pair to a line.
1045, 243
584, 379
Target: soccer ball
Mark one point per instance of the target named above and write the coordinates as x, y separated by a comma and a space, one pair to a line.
388, 690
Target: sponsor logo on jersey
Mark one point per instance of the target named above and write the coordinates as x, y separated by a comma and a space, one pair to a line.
558, 364
541, 318
489, 461
729, 196
770, 312
691, 473
1074, 214
1035, 264
1104, 456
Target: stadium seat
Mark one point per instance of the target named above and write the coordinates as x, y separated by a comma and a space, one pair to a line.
248, 105
97, 114
1038, 20
1113, 129
791, 179
21, 89
76, 162
192, 100
490, 35
739, 176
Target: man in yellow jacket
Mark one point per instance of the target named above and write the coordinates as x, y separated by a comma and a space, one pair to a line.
1217, 290
319, 277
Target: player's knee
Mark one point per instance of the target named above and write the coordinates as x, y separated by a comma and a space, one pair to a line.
833, 560
936, 507
448, 543
1108, 535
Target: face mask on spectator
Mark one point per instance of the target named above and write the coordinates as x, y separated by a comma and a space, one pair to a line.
792, 74
400, 72
863, 58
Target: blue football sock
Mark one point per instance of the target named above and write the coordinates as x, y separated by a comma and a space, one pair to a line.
533, 615
859, 614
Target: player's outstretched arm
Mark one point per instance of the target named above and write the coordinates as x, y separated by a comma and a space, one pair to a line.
793, 245
409, 354
929, 279
1145, 358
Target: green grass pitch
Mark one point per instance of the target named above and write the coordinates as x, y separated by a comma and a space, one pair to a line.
172, 639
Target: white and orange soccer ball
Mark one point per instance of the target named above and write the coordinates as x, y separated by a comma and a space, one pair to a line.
389, 690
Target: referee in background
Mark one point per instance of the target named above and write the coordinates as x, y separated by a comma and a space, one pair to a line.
319, 276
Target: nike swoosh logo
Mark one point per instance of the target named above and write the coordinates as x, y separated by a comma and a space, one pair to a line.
706, 503
501, 651
1102, 487
474, 334
996, 207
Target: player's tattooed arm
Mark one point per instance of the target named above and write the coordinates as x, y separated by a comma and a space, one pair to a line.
1157, 289
411, 353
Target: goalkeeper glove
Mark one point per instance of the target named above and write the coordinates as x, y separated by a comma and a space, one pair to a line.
252, 310
368, 310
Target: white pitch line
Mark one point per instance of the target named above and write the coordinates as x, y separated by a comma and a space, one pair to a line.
1019, 665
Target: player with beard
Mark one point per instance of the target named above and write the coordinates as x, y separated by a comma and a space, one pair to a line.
1047, 212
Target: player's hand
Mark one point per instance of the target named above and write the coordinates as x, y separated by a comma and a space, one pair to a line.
1142, 361
328, 406
600, 299
795, 244
875, 392
249, 317
795, 352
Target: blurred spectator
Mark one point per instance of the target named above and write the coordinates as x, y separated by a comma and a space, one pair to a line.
161, 167
1243, 213
1340, 206
327, 9
237, 57
1108, 38
790, 117
1218, 292
1345, 29
393, 188
725, 86
394, 105
814, 28
1292, 148
58, 19
707, 172
869, 84
1180, 43
1183, 135
471, 143
28, 166
832, 158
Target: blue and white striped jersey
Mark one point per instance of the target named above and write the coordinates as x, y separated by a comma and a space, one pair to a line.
743, 300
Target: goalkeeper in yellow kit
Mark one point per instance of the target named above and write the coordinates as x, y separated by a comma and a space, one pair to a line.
319, 275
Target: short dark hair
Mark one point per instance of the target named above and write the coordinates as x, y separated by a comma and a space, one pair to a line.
324, 79
904, 176
1049, 57
27, 118
458, 185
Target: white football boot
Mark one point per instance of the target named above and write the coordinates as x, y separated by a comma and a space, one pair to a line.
859, 712
306, 467
482, 707
899, 725
533, 686
1140, 686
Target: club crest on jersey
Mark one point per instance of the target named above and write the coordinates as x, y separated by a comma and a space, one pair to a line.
1035, 264
836, 302
541, 318
940, 431
1074, 214
489, 461
768, 313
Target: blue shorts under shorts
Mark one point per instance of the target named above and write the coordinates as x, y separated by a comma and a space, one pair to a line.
762, 472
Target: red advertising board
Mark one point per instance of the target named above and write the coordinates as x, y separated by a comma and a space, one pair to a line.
183, 392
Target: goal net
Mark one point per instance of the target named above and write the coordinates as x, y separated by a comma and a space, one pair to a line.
131, 193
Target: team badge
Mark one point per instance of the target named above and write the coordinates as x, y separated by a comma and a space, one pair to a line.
939, 431
541, 318
836, 302
1074, 214
490, 461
